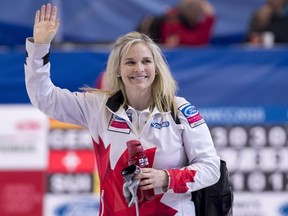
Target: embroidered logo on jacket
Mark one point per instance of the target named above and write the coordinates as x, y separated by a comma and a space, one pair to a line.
118, 124
192, 115
160, 125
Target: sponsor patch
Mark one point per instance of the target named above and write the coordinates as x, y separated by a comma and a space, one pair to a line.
192, 115
160, 125
118, 124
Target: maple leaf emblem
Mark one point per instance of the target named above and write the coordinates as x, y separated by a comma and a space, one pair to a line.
111, 182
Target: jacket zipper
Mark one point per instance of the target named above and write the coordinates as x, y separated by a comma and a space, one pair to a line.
102, 202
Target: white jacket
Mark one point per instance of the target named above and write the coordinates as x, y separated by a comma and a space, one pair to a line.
185, 150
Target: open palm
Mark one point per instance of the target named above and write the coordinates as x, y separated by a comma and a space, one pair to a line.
46, 24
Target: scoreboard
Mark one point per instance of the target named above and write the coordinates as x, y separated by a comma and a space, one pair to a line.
254, 143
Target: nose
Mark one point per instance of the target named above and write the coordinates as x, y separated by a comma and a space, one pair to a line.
139, 67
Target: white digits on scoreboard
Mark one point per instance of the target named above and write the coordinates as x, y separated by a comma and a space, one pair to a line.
283, 160
85, 139
238, 181
257, 137
238, 137
55, 138
256, 156
219, 135
277, 136
247, 160
231, 157
70, 139
256, 181
276, 180
66, 183
268, 160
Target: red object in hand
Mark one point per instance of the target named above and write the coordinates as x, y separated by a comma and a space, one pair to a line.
139, 158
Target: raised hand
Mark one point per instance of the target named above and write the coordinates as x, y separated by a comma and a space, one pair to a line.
46, 24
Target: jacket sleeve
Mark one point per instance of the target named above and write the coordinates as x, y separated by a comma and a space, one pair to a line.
60, 104
203, 167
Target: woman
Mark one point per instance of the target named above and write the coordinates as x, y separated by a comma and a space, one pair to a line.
138, 106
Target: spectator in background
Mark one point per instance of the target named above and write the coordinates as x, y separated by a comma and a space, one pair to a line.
271, 17
189, 23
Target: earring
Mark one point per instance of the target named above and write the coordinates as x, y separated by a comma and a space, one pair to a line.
118, 75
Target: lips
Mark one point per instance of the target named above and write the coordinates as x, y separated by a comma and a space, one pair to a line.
138, 77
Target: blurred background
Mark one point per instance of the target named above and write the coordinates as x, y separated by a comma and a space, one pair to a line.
238, 81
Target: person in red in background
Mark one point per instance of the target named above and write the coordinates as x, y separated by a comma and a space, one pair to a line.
189, 23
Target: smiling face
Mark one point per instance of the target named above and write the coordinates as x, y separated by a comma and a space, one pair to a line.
137, 70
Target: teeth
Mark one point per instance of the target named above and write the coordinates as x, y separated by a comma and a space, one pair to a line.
139, 78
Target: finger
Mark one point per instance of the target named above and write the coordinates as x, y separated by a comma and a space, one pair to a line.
57, 23
48, 12
145, 170
53, 15
37, 15
144, 176
146, 182
146, 185
149, 181
42, 15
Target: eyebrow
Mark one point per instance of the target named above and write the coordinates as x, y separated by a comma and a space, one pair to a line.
128, 59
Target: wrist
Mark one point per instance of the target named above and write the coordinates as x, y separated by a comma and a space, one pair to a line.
36, 41
165, 181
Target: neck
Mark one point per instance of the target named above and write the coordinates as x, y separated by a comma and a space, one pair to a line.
139, 101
